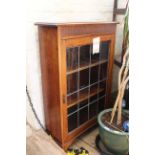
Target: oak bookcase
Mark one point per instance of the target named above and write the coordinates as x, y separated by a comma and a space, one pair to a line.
76, 80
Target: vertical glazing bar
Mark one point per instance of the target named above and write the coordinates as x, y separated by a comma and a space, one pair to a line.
68, 66
107, 77
78, 86
99, 78
89, 77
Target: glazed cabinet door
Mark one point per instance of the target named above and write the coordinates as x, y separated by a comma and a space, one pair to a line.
85, 80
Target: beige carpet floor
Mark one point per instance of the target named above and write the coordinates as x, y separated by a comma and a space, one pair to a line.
39, 143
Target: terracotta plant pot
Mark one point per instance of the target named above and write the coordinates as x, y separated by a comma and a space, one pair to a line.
116, 142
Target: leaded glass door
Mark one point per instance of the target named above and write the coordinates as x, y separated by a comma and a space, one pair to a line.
86, 76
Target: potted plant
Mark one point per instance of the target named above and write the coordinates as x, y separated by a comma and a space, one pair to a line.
114, 138
112, 121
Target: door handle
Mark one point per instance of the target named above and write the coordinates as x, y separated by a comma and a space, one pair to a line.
64, 98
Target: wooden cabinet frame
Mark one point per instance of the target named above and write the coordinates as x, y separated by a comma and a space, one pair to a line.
54, 39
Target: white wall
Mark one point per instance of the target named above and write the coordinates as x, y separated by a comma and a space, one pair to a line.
56, 11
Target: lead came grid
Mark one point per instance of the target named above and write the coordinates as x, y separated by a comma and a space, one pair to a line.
85, 82
77, 107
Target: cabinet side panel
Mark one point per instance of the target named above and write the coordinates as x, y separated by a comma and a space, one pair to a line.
50, 79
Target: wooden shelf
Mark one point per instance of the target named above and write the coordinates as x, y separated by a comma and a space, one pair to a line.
85, 96
86, 67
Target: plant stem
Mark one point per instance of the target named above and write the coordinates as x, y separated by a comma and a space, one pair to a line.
119, 115
120, 85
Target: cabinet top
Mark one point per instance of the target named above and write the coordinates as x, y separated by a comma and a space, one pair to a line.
73, 23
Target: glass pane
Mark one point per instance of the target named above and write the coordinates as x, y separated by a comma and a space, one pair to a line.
94, 57
93, 98
72, 82
102, 93
84, 78
72, 122
101, 104
103, 71
72, 58
94, 74
83, 94
72, 109
72, 98
102, 85
84, 55
92, 110
83, 103
104, 50
94, 88
83, 115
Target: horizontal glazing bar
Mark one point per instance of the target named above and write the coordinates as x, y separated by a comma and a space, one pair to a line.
86, 87
86, 97
86, 105
87, 66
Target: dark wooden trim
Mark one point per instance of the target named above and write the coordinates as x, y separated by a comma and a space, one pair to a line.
115, 7
120, 11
